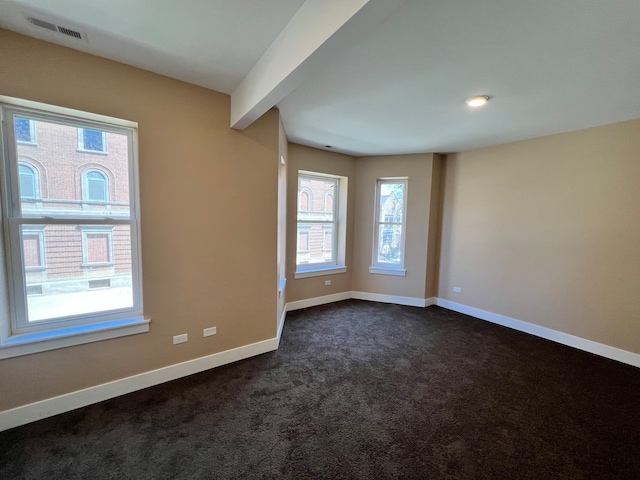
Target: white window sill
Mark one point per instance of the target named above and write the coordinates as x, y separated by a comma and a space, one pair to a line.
316, 272
97, 152
400, 272
26, 343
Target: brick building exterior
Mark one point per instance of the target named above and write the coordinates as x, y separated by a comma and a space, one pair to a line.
67, 171
316, 214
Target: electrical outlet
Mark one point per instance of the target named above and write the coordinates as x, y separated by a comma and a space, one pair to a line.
207, 332
327, 282
457, 289
180, 338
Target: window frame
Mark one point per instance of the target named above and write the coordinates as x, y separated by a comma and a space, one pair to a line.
81, 146
388, 268
36, 180
339, 224
37, 231
17, 336
96, 230
32, 133
86, 189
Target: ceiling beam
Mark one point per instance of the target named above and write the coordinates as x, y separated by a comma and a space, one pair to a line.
316, 34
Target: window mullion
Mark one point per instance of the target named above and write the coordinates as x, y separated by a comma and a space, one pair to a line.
73, 221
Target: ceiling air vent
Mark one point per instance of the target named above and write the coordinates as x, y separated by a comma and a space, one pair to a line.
69, 32
41, 23
57, 28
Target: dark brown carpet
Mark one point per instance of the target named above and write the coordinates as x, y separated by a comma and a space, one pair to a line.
360, 390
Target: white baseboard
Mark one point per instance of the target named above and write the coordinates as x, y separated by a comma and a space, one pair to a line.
378, 297
81, 398
590, 346
312, 302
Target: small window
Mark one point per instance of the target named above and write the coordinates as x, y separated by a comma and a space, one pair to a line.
328, 202
33, 247
96, 186
92, 140
29, 181
97, 246
321, 237
305, 201
25, 130
389, 230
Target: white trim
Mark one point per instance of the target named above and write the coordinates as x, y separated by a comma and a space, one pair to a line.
81, 398
430, 301
401, 272
67, 111
378, 297
590, 346
281, 324
319, 271
312, 302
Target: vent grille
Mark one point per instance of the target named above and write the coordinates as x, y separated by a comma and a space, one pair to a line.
34, 289
41, 23
103, 283
69, 32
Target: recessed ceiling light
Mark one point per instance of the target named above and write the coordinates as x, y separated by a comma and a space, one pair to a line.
478, 101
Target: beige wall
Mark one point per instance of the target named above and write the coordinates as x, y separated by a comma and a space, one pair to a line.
547, 231
419, 169
208, 203
314, 160
435, 209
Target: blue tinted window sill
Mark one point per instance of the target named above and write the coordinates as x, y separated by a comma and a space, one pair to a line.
41, 341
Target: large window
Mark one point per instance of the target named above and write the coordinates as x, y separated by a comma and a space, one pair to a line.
57, 251
389, 230
321, 231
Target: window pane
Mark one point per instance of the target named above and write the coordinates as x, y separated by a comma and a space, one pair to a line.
92, 140
304, 202
33, 255
64, 187
389, 248
315, 243
98, 247
27, 182
96, 186
23, 130
82, 270
314, 206
391, 200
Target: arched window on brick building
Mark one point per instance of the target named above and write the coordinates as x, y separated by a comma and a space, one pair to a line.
328, 202
29, 181
305, 201
95, 186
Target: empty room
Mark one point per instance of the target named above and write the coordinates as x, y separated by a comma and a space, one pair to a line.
319, 239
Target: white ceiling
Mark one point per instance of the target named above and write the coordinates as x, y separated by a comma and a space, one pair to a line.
394, 82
